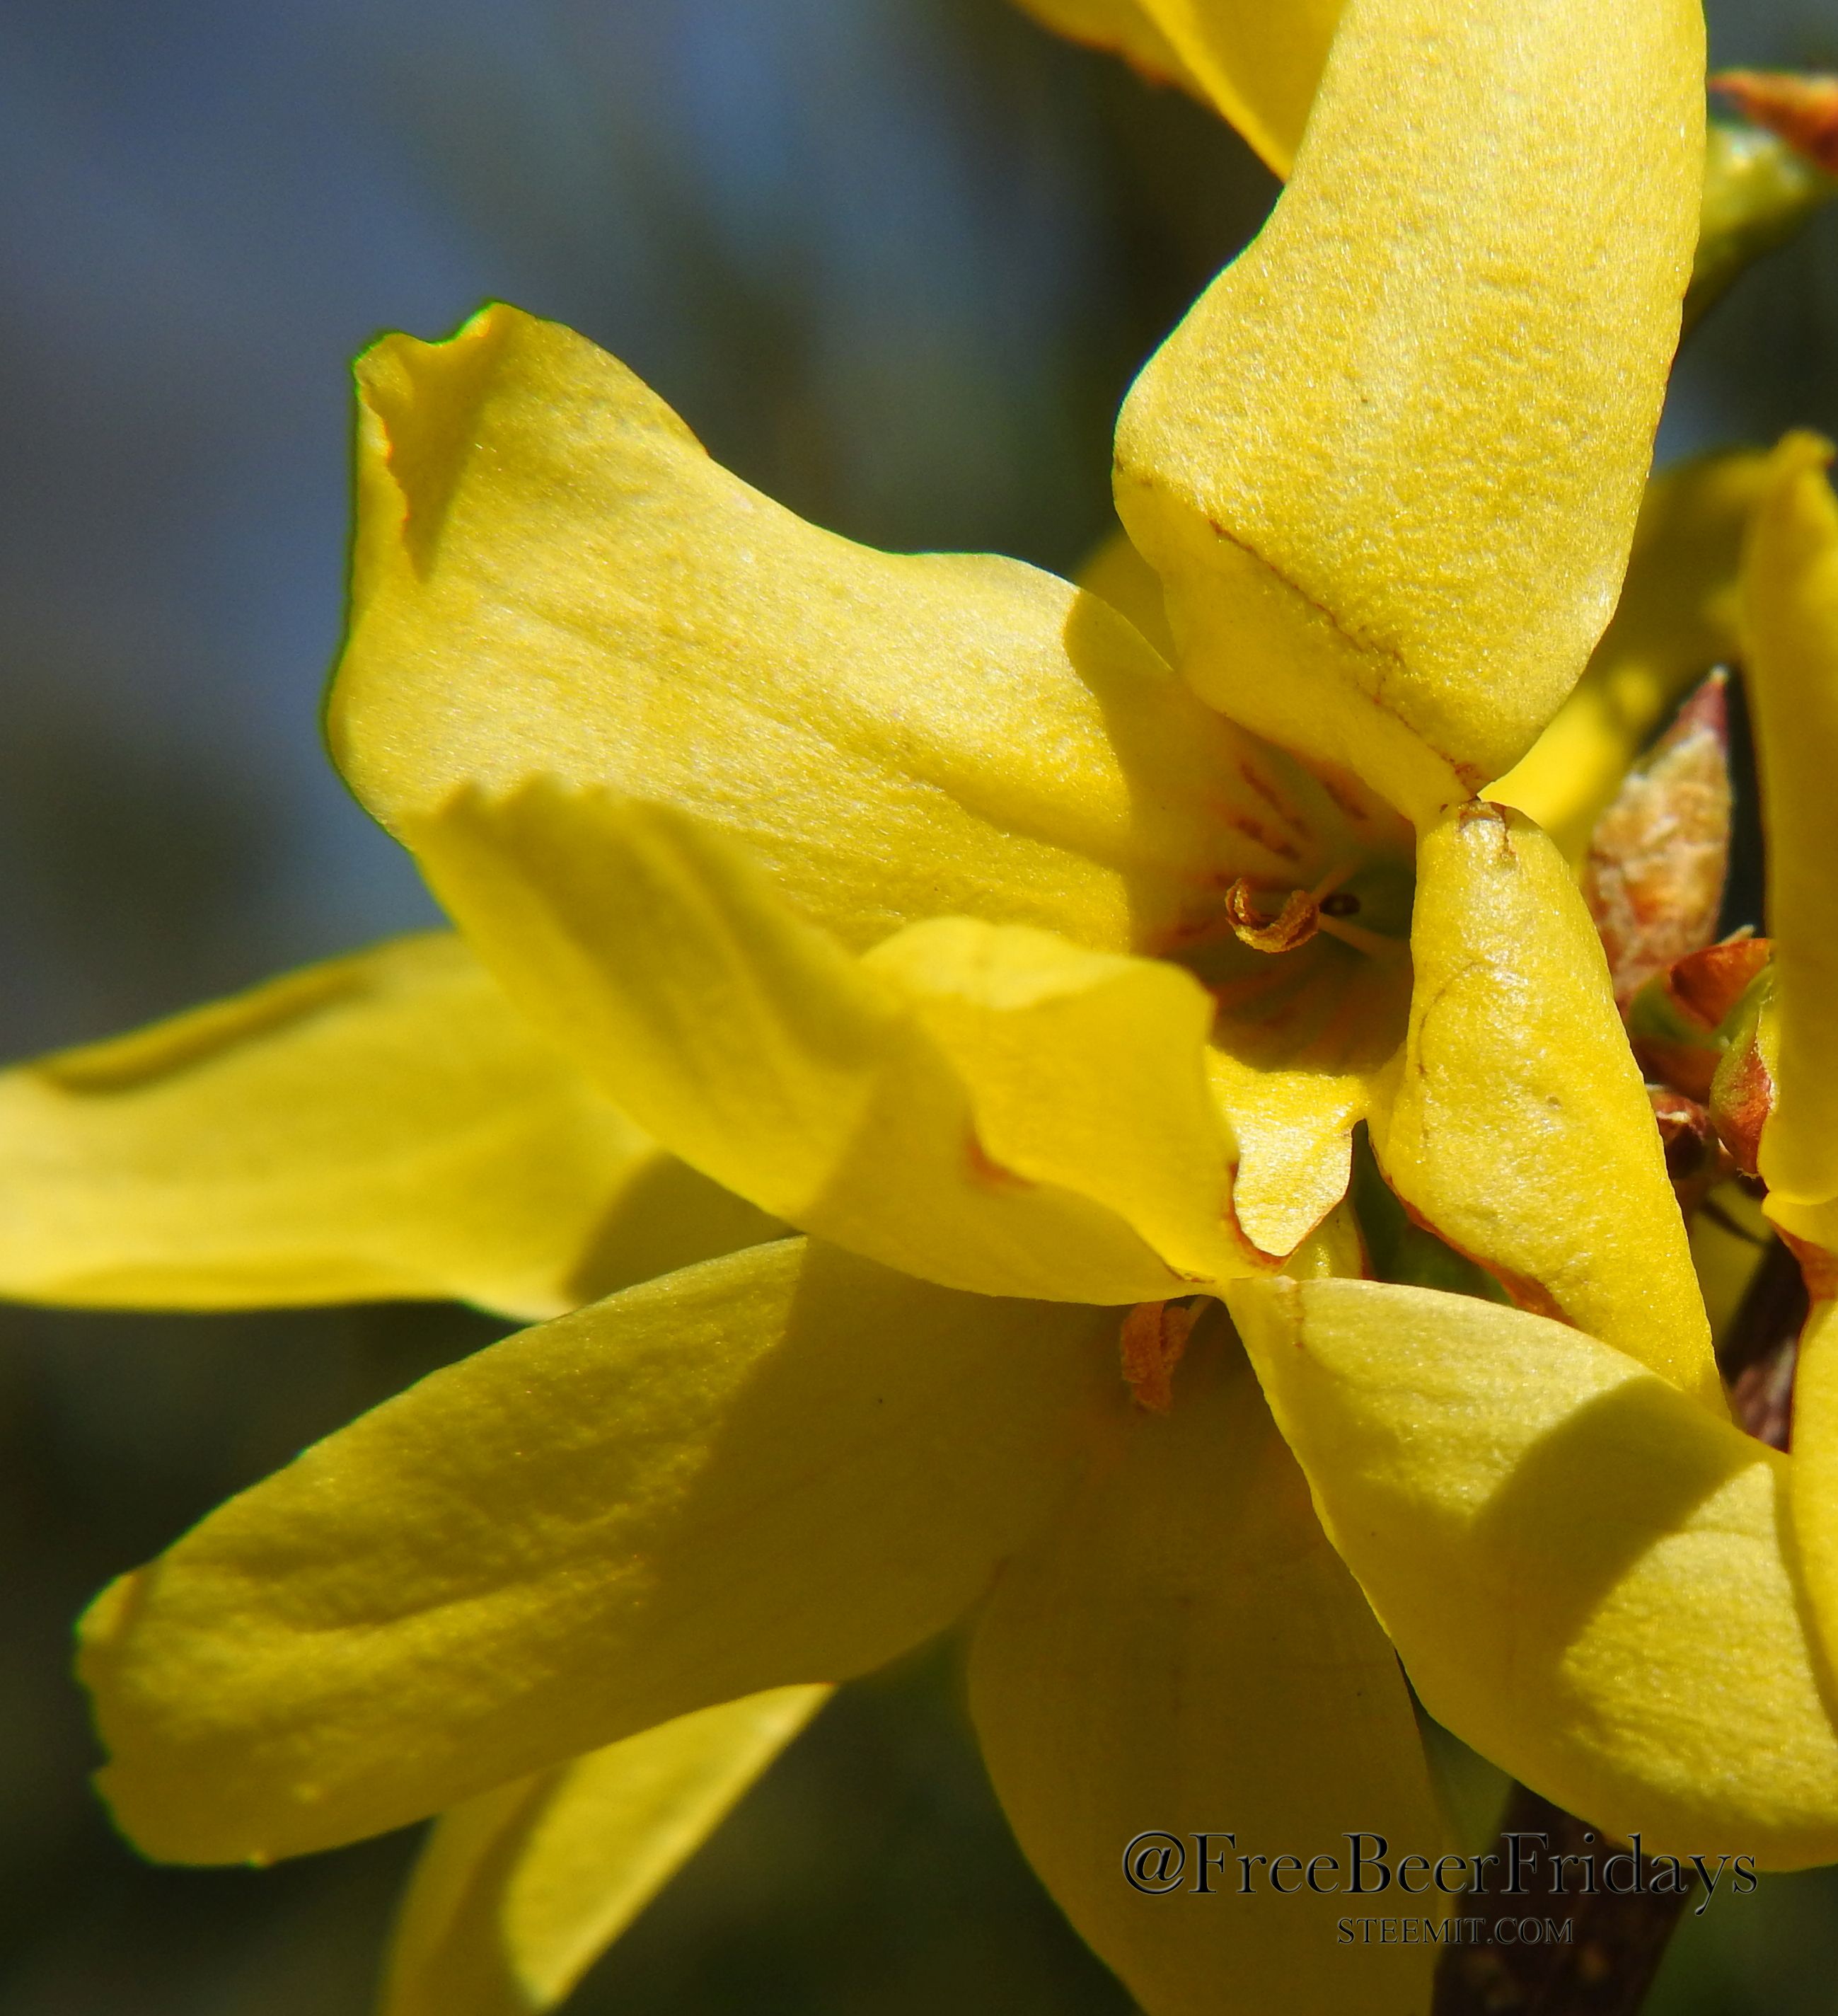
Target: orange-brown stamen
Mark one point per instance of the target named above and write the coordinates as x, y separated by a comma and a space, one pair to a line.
1325, 908
1294, 924
1154, 1336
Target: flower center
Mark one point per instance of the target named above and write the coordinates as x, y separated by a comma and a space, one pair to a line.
1303, 943
1300, 913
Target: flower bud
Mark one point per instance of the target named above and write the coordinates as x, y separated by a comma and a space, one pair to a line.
1653, 879
1742, 1091
1679, 1022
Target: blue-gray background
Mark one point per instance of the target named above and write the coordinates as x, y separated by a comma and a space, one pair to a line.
895, 260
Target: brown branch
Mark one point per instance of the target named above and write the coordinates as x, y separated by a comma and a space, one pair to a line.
1756, 1358
1616, 1941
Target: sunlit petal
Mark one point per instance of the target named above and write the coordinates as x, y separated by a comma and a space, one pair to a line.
1390, 465
1790, 626
1814, 1470
1519, 1128
1126, 27
1676, 619
552, 577
783, 1467
519, 1890
385, 1125
811, 1082
1084, 1070
1583, 1570
1115, 573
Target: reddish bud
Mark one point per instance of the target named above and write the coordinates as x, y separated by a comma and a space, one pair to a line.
1654, 877
1742, 1092
1679, 1022
1709, 984
1802, 111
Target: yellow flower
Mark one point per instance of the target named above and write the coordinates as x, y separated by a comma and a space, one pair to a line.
1790, 619
919, 904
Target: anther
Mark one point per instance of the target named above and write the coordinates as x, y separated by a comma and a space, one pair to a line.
1154, 1336
1294, 924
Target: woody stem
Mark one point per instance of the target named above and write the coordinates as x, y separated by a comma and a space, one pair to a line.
1605, 1966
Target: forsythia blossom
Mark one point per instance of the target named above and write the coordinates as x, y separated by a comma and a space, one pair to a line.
918, 907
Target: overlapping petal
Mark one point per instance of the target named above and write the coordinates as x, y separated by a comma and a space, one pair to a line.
1296, 1082
1519, 1127
1676, 618
384, 1124
1183, 1651
783, 1467
552, 577
1084, 1070
1115, 573
1583, 1572
961, 1104
1728, 1243
1126, 27
1257, 62
519, 1890
1389, 466
1790, 615
1813, 1474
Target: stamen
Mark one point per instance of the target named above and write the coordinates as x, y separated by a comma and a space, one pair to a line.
1304, 912
1154, 1336
1294, 924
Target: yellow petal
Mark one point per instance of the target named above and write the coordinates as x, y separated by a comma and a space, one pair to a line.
1676, 619
1303, 1038
1813, 1468
552, 577
1182, 1651
1520, 1129
385, 1125
754, 1046
1256, 63
1126, 27
1790, 596
783, 1467
1115, 573
1582, 1569
1389, 466
1084, 1070
1726, 1249
519, 1890
1812, 1224
1295, 1070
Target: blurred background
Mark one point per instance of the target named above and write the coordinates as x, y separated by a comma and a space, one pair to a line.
896, 262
